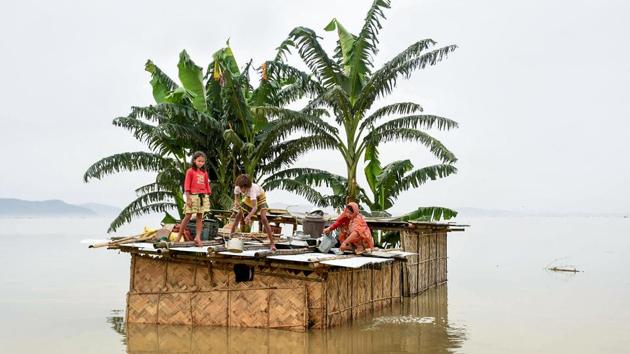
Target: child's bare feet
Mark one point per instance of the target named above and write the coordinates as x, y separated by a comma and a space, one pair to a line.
198, 241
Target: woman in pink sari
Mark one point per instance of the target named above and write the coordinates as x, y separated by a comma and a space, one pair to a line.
354, 232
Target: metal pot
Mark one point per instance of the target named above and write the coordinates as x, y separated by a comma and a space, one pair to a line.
326, 242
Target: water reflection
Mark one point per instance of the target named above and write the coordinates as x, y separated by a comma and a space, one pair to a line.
117, 322
416, 325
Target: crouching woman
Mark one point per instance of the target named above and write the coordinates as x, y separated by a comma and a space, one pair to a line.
354, 235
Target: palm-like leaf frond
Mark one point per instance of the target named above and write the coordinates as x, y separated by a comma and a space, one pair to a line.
420, 176
377, 136
315, 57
135, 209
287, 152
300, 188
432, 213
288, 118
191, 77
160, 82
383, 81
128, 162
395, 108
422, 121
365, 47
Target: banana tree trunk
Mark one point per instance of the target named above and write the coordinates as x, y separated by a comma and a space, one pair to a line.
353, 187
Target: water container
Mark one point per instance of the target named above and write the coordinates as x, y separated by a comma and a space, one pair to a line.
313, 224
208, 230
326, 242
234, 245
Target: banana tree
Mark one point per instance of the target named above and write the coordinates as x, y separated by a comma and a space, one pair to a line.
177, 124
257, 140
221, 117
347, 85
387, 183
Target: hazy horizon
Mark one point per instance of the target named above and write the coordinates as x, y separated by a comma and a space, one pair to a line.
538, 88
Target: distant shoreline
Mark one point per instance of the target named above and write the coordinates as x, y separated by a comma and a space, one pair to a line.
18, 208
25, 209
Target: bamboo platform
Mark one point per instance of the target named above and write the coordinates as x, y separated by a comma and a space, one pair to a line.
291, 292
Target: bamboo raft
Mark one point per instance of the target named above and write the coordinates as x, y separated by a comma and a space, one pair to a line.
290, 289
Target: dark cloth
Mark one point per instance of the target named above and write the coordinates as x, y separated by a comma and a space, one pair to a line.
243, 272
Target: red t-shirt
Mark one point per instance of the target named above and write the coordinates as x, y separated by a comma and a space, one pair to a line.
197, 182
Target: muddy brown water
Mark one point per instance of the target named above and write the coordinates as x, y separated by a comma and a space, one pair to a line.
59, 297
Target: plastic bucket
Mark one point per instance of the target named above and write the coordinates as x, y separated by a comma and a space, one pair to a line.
313, 225
234, 245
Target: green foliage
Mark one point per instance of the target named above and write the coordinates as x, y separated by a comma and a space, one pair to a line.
347, 85
241, 129
191, 77
429, 214
247, 128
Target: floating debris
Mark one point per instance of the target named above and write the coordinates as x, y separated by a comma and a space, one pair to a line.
561, 267
564, 269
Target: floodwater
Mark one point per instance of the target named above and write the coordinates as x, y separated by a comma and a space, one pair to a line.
57, 296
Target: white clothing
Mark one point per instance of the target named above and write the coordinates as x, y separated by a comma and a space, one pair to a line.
253, 193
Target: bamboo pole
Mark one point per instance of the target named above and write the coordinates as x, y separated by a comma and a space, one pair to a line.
130, 239
164, 244
266, 252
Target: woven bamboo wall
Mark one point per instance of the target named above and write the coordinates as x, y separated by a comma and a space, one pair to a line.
429, 267
175, 292
351, 294
433, 338
170, 292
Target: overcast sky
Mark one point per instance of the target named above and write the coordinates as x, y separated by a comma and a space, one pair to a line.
539, 87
